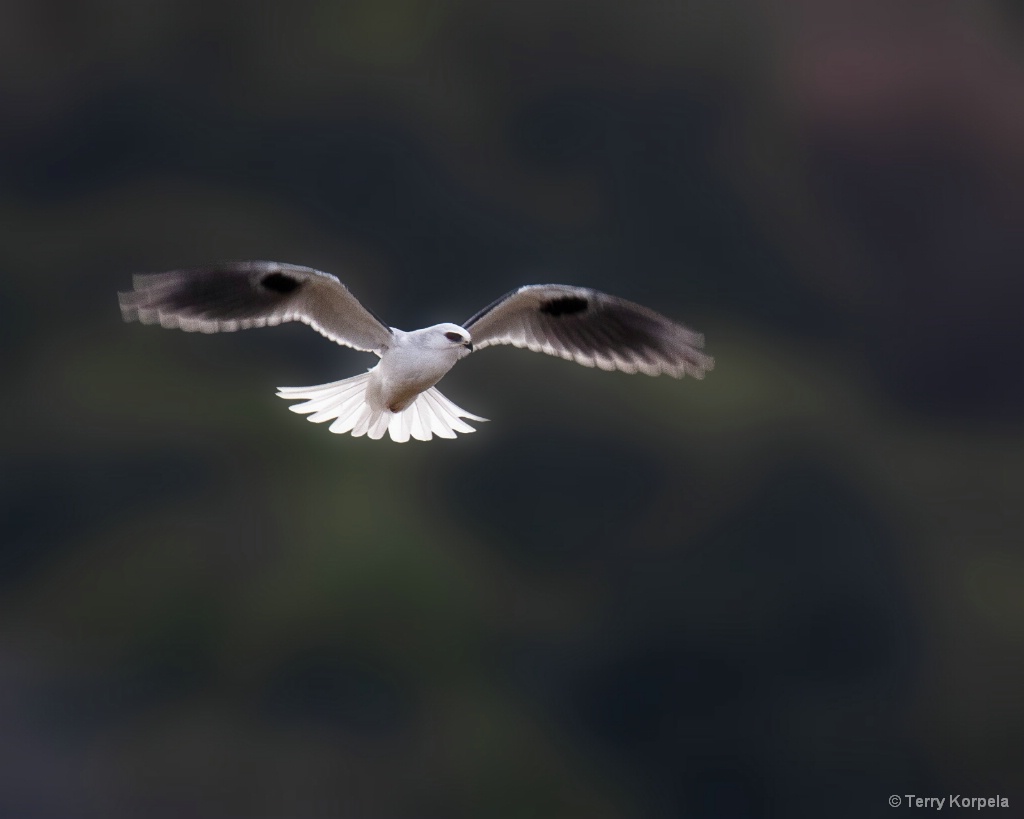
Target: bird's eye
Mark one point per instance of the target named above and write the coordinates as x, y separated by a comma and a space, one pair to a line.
453, 337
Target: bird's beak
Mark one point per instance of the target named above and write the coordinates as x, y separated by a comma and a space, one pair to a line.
469, 346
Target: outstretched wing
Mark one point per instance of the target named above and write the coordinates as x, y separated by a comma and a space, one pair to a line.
591, 328
240, 295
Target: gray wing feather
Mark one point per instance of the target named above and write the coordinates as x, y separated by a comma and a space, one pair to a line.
592, 329
240, 295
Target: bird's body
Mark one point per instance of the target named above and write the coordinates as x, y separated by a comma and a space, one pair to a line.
413, 363
398, 396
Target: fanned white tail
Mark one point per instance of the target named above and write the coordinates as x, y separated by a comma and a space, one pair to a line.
344, 402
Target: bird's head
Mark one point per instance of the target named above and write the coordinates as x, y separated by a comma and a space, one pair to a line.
448, 337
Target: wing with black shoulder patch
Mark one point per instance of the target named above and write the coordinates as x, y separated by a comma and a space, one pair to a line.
240, 295
592, 329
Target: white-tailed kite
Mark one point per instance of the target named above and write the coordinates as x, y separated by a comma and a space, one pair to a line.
398, 394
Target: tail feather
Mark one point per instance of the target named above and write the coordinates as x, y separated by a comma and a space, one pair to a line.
436, 423
419, 423
366, 417
350, 420
344, 403
443, 425
445, 409
337, 409
379, 425
400, 426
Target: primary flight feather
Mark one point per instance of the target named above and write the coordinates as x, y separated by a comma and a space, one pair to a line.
398, 395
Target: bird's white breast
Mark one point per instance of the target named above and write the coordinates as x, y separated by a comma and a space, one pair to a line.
406, 369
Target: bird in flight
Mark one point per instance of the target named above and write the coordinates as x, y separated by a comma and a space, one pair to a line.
398, 396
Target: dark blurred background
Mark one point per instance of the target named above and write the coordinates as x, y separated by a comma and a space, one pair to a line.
790, 590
